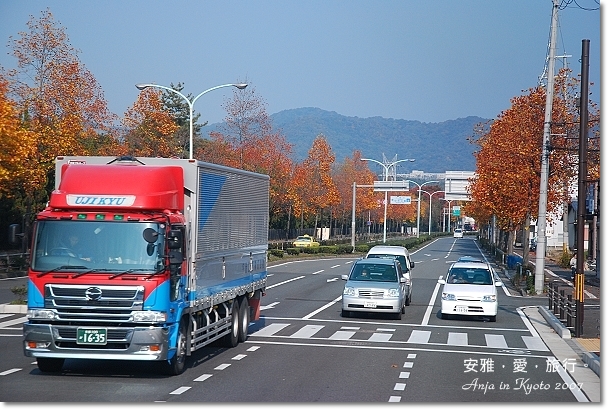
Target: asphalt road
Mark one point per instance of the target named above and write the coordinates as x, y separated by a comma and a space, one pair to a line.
302, 351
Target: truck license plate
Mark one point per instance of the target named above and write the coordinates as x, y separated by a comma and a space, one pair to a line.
369, 304
461, 309
90, 336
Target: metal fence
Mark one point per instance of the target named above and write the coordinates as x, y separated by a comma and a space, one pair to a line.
562, 305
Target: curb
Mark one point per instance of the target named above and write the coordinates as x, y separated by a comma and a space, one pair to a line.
591, 360
555, 323
6, 308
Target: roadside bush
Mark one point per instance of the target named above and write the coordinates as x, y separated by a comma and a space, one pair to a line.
293, 251
279, 253
362, 248
343, 248
21, 293
333, 249
311, 250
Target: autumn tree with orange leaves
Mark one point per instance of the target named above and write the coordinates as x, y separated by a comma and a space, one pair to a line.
149, 129
248, 141
507, 182
58, 102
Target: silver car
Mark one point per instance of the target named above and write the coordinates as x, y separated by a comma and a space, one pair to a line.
374, 286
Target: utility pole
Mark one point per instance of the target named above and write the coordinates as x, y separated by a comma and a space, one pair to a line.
579, 278
541, 245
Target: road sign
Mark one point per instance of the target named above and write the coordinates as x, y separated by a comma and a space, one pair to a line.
455, 211
389, 186
401, 200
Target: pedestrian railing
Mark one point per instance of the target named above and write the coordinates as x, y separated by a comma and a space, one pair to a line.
12, 261
561, 304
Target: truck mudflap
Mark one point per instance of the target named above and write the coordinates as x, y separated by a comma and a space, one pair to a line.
134, 343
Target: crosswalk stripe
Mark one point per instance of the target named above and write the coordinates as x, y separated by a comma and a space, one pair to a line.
496, 341
534, 343
380, 337
307, 331
458, 339
342, 335
271, 329
419, 336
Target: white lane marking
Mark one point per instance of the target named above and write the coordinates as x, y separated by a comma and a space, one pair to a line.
411, 356
404, 375
203, 377
180, 390
394, 399
222, 366
284, 282
332, 280
319, 271
311, 314
269, 306
253, 348
239, 357
408, 365
13, 322
429, 308
4, 373
496, 341
399, 386
526, 321
335, 266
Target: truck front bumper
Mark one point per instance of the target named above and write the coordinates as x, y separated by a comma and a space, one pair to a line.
132, 343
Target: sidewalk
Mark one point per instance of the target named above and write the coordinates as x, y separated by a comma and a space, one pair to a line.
587, 346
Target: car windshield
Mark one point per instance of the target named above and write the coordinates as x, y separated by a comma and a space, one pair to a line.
400, 258
303, 239
471, 276
374, 273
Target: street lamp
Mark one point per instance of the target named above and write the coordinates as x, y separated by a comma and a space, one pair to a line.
430, 194
419, 190
386, 168
449, 201
190, 103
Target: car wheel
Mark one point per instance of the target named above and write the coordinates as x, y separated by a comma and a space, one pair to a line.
345, 313
49, 365
492, 318
398, 314
445, 316
408, 300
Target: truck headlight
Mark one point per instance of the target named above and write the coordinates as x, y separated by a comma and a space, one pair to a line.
448, 296
41, 314
148, 316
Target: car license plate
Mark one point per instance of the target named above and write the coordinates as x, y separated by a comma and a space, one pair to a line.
369, 304
91, 336
461, 309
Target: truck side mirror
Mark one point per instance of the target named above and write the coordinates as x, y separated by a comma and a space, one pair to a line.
175, 239
176, 258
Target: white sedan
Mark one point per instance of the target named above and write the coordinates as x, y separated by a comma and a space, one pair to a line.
470, 289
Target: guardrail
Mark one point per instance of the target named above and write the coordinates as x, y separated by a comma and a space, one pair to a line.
562, 305
13, 261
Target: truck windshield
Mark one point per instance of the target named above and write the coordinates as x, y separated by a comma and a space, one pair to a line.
96, 246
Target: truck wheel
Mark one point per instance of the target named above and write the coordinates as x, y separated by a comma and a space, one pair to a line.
177, 364
49, 365
243, 320
232, 338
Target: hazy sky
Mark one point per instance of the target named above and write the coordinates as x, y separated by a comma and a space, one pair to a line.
426, 60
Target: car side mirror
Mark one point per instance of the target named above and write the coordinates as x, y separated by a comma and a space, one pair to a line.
498, 284
441, 281
412, 265
344, 277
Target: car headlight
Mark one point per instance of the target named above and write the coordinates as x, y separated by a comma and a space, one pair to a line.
349, 291
448, 296
43, 314
489, 298
393, 292
148, 316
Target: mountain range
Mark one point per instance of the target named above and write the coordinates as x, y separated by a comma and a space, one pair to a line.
436, 147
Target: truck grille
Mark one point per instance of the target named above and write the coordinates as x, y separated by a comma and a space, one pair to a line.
77, 303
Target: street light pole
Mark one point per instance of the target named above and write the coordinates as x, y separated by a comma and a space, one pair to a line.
190, 103
418, 213
430, 207
386, 168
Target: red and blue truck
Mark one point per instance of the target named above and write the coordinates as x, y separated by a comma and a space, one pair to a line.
145, 259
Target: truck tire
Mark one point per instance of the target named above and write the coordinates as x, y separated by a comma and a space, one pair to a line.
232, 338
243, 319
49, 365
177, 364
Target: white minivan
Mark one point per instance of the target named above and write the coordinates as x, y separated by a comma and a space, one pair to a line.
403, 256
